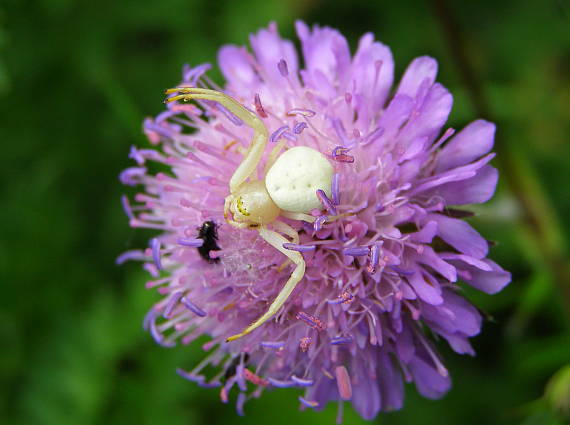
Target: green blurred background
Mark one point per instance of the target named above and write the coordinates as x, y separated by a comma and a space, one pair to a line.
76, 80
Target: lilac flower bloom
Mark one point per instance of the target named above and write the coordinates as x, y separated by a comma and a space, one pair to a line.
389, 268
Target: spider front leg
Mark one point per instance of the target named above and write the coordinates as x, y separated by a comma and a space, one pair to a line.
259, 140
277, 241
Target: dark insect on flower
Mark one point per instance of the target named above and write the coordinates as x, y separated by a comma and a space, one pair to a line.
209, 234
231, 369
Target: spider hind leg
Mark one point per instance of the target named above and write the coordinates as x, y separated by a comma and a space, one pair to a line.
276, 240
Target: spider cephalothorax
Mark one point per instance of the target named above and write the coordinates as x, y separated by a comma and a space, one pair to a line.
295, 183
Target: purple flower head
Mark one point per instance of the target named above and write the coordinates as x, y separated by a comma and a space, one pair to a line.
384, 250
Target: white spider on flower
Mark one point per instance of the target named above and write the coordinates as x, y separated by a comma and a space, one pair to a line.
296, 182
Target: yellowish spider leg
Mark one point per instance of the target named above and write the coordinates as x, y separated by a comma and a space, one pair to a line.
277, 241
284, 228
289, 231
298, 216
259, 140
273, 156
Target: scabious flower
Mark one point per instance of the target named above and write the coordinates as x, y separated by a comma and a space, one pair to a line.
378, 281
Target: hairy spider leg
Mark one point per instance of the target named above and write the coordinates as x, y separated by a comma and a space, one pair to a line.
277, 241
259, 140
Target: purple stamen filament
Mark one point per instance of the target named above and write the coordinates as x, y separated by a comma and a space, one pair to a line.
302, 382
193, 243
277, 134
171, 303
335, 188
259, 107
300, 248
193, 307
312, 321
299, 127
280, 384
301, 111
326, 202
356, 251
341, 340
272, 344
340, 154
155, 245
318, 224
308, 403
374, 256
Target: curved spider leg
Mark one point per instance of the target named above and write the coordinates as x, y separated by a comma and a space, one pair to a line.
284, 228
277, 241
298, 216
273, 155
332, 218
260, 133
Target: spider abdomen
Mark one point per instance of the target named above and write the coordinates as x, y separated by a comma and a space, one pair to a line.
294, 178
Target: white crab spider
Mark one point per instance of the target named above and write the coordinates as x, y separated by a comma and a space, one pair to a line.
289, 190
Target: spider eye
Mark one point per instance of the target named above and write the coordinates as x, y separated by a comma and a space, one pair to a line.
241, 208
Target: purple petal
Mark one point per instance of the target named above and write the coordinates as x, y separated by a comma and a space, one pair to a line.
421, 69
373, 71
480, 264
460, 235
395, 115
475, 190
429, 118
236, 65
469, 144
456, 315
326, 53
459, 344
366, 397
428, 381
428, 292
270, 49
455, 175
430, 258
405, 346
426, 233
391, 384
490, 282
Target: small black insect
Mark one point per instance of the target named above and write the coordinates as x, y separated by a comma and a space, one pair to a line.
209, 234
232, 367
